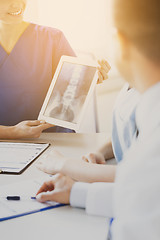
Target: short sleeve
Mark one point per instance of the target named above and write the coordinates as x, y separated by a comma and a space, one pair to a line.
62, 47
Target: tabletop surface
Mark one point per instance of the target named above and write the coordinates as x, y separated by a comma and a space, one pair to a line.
64, 222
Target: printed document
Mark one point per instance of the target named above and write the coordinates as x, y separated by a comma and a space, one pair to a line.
25, 189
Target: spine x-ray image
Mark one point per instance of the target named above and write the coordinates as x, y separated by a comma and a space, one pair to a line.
69, 92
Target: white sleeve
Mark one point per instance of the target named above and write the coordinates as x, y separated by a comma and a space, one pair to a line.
95, 197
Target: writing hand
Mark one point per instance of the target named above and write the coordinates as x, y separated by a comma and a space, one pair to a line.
58, 189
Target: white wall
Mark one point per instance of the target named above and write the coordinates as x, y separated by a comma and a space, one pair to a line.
86, 23
32, 12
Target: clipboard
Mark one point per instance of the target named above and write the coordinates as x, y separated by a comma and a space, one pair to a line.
17, 157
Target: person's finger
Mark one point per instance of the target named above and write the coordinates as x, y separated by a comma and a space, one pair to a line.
47, 186
105, 68
42, 127
100, 69
84, 159
46, 126
49, 125
92, 158
43, 197
100, 62
100, 78
105, 63
55, 196
104, 74
34, 123
99, 158
100, 161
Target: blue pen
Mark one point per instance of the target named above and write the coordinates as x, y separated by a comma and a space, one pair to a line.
17, 198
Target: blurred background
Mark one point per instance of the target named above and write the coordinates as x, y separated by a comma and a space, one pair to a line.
87, 24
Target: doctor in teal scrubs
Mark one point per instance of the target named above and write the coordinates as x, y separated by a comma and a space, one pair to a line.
29, 55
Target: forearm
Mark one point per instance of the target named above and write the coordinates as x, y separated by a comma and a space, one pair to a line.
6, 132
88, 172
106, 150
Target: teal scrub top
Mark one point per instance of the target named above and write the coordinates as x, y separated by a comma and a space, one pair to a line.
26, 73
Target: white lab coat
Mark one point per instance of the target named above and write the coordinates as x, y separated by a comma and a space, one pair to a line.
136, 193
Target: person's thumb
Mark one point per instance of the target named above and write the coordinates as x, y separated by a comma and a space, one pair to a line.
46, 196
35, 123
55, 196
92, 158
43, 126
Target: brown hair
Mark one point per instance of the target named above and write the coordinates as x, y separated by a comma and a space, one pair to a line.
139, 21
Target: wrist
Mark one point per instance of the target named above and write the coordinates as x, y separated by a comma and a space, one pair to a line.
7, 132
78, 194
14, 132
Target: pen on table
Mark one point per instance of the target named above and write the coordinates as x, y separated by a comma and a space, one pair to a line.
17, 198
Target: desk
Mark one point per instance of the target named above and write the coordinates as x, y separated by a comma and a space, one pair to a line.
60, 223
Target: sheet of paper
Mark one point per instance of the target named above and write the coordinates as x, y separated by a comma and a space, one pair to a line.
16, 156
26, 190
